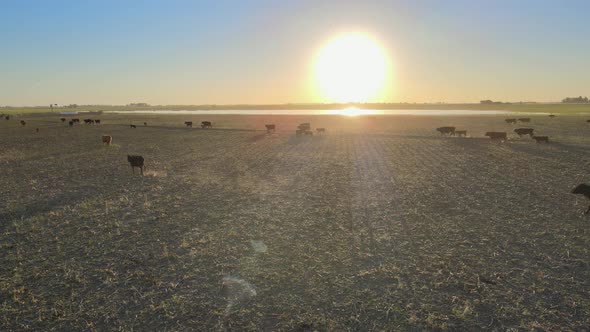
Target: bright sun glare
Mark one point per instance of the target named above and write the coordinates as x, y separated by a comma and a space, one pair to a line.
351, 68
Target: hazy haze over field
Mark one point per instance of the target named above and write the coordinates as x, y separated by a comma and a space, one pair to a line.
184, 52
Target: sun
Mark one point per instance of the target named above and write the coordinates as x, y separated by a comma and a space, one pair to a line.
351, 68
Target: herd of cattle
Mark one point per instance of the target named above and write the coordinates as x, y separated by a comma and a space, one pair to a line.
501, 135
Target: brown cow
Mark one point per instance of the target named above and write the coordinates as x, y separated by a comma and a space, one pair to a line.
496, 135
583, 189
270, 128
71, 123
541, 139
106, 139
132, 126
461, 133
308, 133
145, 124
551, 115
63, 119
304, 126
188, 123
206, 124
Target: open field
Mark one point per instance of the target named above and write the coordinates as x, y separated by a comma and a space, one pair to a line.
557, 108
380, 224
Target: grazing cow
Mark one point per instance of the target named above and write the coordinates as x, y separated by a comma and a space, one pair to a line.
88, 121
97, 121
206, 124
446, 130
583, 189
270, 128
321, 130
71, 123
304, 126
135, 161
510, 120
308, 133
496, 135
145, 124
76, 120
524, 119
298, 132
132, 126
188, 123
524, 131
23, 123
63, 119
106, 139
551, 115
541, 139
461, 133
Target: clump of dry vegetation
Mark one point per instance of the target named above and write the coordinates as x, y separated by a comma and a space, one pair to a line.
378, 225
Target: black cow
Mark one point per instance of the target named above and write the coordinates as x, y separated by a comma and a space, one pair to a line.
510, 120
541, 139
270, 128
71, 123
63, 119
588, 121
132, 126
446, 130
88, 121
524, 131
551, 115
188, 123
524, 119
583, 189
496, 135
97, 121
7, 117
136, 161
206, 124
145, 124
76, 120
23, 123
304, 126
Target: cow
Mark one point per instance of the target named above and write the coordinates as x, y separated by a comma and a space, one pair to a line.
88, 121
461, 133
188, 123
132, 126
583, 189
321, 130
71, 123
308, 133
76, 120
496, 135
97, 121
270, 128
106, 139
524, 119
446, 130
524, 131
36, 130
206, 124
588, 121
510, 120
304, 126
145, 124
23, 123
63, 119
541, 139
136, 161
7, 117
551, 115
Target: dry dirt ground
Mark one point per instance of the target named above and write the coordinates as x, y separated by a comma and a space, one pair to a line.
380, 224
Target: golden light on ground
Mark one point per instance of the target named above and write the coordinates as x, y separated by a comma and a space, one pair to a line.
351, 68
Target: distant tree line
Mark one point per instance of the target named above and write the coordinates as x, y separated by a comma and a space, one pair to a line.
491, 102
575, 100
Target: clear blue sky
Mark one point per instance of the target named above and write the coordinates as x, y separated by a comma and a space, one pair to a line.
200, 52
